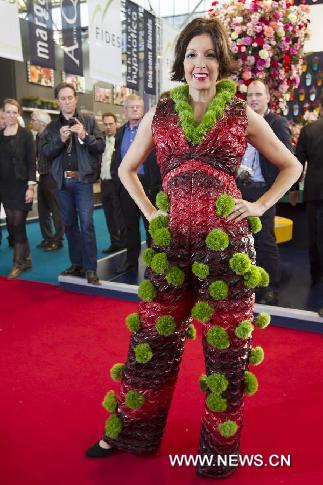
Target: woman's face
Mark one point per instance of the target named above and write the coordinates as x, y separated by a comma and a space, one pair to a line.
10, 114
201, 67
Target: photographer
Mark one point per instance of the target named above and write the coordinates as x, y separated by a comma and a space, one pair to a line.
73, 144
255, 176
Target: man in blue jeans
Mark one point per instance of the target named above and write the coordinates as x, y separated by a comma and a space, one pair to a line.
73, 143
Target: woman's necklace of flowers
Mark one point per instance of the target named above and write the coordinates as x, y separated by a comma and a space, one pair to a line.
225, 90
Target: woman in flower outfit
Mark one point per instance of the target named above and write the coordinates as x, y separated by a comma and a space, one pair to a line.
201, 266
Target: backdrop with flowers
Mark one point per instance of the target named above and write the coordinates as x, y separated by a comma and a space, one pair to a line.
268, 39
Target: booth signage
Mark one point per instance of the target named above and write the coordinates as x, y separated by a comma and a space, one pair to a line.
132, 36
41, 42
150, 52
72, 36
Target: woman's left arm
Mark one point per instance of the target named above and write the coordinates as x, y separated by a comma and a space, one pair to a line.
261, 136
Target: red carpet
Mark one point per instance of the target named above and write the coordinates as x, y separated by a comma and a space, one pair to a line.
57, 348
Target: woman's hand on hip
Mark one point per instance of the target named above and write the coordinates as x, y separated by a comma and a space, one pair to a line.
243, 209
29, 196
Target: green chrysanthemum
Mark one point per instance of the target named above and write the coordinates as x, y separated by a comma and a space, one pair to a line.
255, 224
217, 240
159, 263
218, 337
244, 329
264, 282
175, 276
202, 311
133, 322
217, 382
224, 205
113, 426
200, 270
165, 325
116, 371
250, 383
157, 223
162, 237
252, 278
240, 263
162, 201
262, 320
147, 290
219, 290
202, 383
148, 256
134, 400
191, 332
216, 403
143, 353
227, 428
110, 402
256, 356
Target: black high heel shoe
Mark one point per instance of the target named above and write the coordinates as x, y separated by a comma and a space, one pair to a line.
96, 451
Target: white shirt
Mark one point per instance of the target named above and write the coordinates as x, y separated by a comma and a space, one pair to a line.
107, 157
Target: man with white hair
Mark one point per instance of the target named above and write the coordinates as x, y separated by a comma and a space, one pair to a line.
48, 205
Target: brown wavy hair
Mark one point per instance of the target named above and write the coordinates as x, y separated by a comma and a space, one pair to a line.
218, 34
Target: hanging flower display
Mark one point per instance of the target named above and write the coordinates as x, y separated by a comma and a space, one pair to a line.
267, 38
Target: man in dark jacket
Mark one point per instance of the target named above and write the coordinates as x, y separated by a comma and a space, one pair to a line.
73, 143
255, 177
309, 149
148, 174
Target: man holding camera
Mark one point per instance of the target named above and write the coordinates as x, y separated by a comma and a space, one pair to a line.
73, 143
256, 175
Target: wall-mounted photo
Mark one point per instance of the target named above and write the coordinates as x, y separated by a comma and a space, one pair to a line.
44, 76
77, 81
120, 94
103, 95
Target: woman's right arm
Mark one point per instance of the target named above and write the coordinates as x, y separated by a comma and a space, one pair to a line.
135, 156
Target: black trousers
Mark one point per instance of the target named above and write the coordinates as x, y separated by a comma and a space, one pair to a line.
113, 214
49, 209
314, 209
265, 241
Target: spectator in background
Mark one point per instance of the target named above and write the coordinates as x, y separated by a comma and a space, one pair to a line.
2, 127
148, 174
47, 193
73, 143
17, 182
256, 176
110, 189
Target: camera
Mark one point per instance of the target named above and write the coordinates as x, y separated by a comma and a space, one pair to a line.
71, 122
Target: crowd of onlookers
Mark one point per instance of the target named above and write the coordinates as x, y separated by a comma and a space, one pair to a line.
71, 152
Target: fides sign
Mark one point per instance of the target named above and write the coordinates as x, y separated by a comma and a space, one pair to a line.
72, 36
42, 50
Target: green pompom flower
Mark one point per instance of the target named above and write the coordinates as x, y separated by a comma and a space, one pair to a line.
252, 278
256, 355
116, 371
157, 223
148, 256
147, 291
200, 270
143, 353
262, 320
133, 322
244, 329
250, 383
110, 402
191, 332
162, 237
134, 400
217, 240
255, 224
165, 325
113, 426
216, 403
219, 290
218, 337
240, 263
264, 282
175, 276
227, 428
159, 263
162, 201
202, 383
217, 382
224, 205
202, 311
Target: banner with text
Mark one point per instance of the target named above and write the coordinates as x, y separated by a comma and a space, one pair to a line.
105, 40
132, 39
72, 36
10, 39
41, 42
150, 52
169, 35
